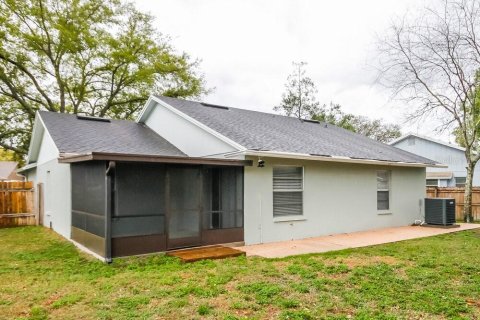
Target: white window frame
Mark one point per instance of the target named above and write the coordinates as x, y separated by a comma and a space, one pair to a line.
462, 185
280, 218
389, 175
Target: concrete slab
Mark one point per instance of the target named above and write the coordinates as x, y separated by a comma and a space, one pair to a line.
346, 240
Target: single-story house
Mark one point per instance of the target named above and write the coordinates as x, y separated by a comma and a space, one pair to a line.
189, 174
8, 171
452, 156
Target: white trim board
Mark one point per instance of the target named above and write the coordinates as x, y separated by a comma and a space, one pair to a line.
273, 154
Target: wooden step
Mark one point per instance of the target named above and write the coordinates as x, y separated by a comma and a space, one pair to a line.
202, 253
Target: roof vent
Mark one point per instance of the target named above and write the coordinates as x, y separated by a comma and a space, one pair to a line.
213, 106
90, 118
310, 120
320, 155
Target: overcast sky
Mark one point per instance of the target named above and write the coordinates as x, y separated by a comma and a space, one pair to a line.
247, 49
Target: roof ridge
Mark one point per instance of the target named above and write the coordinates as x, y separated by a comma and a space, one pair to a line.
248, 110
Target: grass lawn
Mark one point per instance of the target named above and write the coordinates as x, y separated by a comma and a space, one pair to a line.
44, 277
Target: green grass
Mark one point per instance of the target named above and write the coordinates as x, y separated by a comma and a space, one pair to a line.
43, 276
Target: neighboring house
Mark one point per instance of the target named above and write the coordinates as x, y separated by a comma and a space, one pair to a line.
451, 155
8, 171
189, 174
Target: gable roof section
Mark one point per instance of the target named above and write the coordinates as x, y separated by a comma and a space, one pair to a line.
72, 135
453, 146
259, 131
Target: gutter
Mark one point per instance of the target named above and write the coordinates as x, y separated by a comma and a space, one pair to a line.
27, 167
326, 158
104, 156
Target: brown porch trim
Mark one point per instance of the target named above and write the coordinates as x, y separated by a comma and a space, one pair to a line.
219, 236
130, 246
151, 158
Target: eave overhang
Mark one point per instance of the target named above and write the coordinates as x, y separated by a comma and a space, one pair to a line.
73, 158
326, 158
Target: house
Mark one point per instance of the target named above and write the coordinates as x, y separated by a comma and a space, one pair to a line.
453, 156
189, 173
8, 171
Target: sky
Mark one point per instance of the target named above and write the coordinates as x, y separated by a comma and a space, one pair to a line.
247, 48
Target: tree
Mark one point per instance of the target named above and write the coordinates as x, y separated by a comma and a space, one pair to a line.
432, 62
8, 155
299, 99
375, 129
94, 57
457, 132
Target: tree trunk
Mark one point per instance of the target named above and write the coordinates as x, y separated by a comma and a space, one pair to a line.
467, 204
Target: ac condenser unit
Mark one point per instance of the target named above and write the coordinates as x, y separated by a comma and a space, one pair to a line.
440, 211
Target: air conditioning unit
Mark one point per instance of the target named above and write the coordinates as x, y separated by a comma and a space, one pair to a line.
440, 211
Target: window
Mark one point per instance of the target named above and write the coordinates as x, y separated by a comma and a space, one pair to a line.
432, 182
287, 191
383, 190
460, 182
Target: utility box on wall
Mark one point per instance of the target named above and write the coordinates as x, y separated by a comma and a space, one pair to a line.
440, 211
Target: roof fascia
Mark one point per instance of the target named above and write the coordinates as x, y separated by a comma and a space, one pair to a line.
303, 156
38, 137
147, 108
105, 156
27, 167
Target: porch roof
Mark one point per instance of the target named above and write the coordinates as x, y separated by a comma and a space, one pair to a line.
126, 157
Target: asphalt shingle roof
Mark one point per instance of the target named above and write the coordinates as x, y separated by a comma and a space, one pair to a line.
73, 135
270, 132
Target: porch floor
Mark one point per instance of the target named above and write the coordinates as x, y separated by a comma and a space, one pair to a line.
202, 253
346, 240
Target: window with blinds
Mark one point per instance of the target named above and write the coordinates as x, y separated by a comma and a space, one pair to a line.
460, 182
287, 191
383, 190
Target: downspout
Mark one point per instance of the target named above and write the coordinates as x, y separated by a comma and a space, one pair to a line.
109, 207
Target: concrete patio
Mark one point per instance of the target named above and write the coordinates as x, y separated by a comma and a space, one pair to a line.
347, 240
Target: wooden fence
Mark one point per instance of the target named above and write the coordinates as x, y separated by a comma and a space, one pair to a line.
16, 204
458, 195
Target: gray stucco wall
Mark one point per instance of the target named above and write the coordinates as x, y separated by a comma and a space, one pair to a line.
57, 186
56, 181
337, 198
454, 158
186, 136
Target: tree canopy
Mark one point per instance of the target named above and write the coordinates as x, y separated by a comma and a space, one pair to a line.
375, 129
432, 60
94, 57
299, 99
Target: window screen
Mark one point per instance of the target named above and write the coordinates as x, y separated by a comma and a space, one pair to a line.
460, 182
287, 191
383, 190
432, 182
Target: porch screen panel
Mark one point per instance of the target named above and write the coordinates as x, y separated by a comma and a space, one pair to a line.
139, 200
185, 202
88, 197
223, 200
